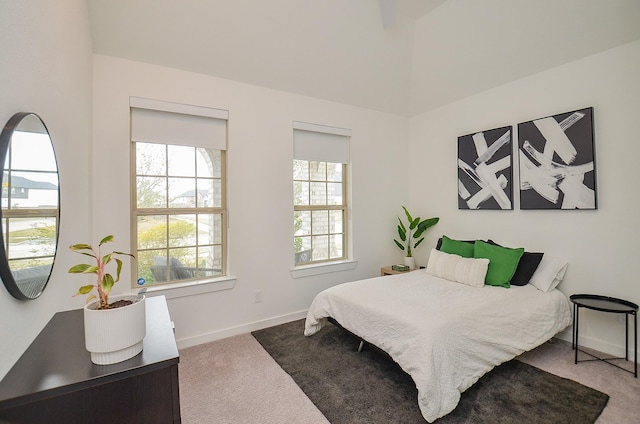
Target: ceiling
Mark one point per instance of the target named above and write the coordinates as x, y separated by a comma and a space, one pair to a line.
435, 52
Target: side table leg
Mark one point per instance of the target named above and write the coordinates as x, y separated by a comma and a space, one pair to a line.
577, 323
635, 344
573, 329
626, 337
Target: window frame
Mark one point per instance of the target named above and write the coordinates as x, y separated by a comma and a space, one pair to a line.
222, 210
344, 207
331, 146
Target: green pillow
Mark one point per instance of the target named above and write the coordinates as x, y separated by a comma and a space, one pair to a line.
503, 262
456, 247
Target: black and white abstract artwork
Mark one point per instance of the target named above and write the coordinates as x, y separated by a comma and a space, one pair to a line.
557, 163
485, 170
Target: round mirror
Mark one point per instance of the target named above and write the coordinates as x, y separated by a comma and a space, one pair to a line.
30, 206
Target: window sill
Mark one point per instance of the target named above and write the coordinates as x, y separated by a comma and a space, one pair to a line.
323, 268
192, 288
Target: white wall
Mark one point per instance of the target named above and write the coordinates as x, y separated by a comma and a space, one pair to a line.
46, 69
601, 246
259, 187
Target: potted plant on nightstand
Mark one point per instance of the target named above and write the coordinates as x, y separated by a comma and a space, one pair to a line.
411, 235
113, 331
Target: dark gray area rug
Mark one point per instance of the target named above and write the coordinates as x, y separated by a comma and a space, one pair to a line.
368, 387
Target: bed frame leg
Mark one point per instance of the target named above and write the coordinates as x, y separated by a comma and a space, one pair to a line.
361, 346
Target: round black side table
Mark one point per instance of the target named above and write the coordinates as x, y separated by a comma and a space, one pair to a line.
611, 305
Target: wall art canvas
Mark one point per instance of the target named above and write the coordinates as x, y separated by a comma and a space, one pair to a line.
485, 170
557, 163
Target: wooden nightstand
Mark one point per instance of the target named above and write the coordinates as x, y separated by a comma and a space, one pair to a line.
386, 270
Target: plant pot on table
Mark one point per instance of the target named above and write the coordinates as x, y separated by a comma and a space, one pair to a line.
410, 261
115, 335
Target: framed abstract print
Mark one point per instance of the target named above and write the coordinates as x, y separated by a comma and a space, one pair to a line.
557, 162
485, 170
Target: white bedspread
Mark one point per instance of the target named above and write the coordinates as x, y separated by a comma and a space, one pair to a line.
445, 335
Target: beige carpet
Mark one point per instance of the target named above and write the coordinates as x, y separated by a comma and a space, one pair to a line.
235, 381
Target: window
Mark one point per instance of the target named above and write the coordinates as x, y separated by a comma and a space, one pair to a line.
179, 206
320, 193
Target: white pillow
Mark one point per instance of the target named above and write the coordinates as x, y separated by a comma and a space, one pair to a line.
469, 271
549, 273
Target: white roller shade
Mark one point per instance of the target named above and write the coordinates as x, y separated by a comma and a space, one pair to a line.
320, 143
155, 121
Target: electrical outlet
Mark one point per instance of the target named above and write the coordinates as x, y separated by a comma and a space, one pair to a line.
257, 296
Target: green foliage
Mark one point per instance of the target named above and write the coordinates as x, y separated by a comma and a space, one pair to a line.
48, 234
411, 238
155, 237
105, 281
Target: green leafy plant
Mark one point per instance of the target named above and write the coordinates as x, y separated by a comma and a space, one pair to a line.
105, 281
411, 234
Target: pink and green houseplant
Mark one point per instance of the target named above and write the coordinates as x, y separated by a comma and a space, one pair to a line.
114, 332
105, 281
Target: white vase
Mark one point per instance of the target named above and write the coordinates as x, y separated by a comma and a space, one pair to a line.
115, 335
410, 261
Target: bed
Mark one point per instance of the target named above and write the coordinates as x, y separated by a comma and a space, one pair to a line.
446, 335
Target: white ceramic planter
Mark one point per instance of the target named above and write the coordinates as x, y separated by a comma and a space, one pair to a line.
410, 262
114, 335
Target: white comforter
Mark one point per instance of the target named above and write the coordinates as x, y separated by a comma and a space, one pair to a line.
445, 335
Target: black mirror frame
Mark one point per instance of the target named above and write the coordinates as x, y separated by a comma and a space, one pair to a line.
5, 272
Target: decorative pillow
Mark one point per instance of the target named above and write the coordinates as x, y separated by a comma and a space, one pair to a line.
503, 262
439, 242
456, 247
549, 273
526, 267
469, 271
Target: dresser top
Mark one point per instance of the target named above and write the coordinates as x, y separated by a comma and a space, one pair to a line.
57, 361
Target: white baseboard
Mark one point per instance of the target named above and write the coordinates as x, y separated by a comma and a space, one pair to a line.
598, 345
240, 329
604, 347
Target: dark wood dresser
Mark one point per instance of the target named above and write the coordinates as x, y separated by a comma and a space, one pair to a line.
55, 380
